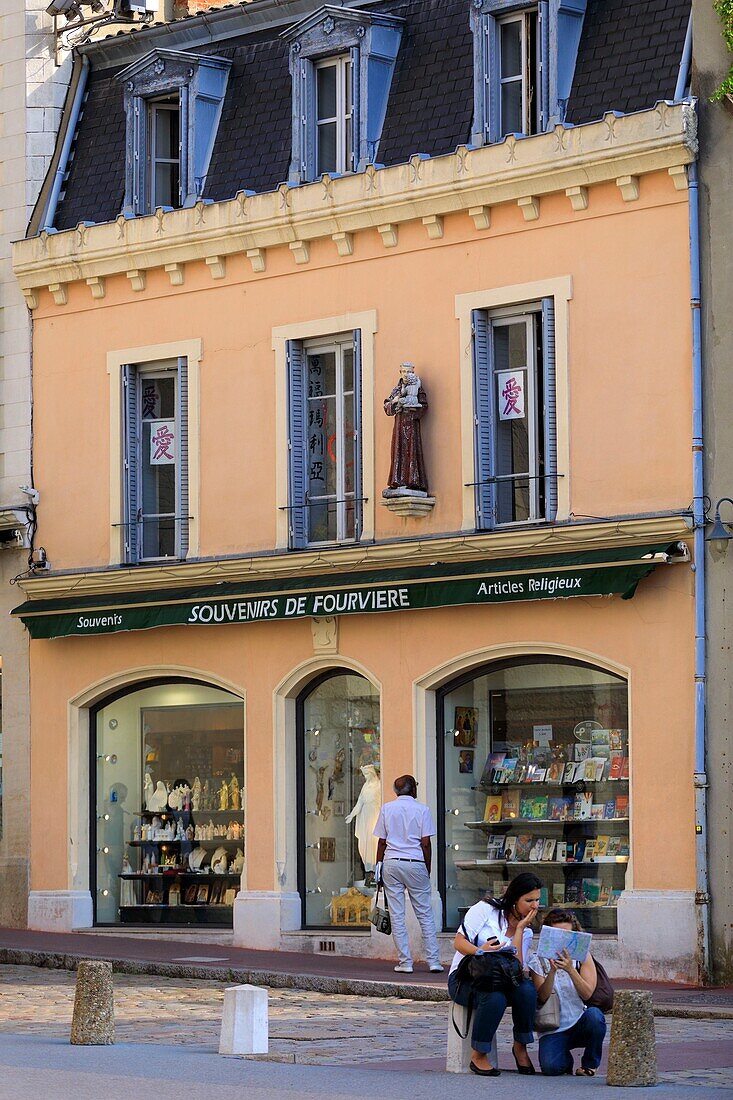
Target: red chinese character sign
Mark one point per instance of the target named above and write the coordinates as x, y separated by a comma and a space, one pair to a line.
162, 442
510, 392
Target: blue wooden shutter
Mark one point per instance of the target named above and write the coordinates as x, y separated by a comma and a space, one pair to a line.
182, 460
358, 477
483, 356
491, 77
550, 409
543, 57
297, 444
131, 462
356, 151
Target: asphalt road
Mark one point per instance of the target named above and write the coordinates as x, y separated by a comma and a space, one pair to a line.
36, 1066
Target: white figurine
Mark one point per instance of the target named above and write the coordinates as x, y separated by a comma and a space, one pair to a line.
148, 791
366, 812
159, 799
180, 835
196, 794
127, 885
219, 862
237, 864
196, 858
175, 799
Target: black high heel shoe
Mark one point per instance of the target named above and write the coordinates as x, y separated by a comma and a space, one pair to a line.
483, 1072
523, 1069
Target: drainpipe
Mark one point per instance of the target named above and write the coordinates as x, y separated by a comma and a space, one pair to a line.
66, 148
702, 897
683, 75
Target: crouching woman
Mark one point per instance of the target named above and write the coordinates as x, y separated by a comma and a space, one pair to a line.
580, 1027
498, 928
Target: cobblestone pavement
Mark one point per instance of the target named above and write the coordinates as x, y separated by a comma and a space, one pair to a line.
315, 1028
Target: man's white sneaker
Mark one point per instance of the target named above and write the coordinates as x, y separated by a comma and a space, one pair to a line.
436, 969
403, 968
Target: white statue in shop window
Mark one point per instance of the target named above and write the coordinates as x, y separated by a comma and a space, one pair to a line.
196, 794
127, 885
148, 791
366, 812
159, 799
237, 865
219, 861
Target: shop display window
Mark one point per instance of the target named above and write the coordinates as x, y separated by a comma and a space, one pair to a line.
534, 767
339, 797
168, 806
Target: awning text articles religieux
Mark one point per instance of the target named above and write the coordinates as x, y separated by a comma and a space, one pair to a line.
588, 573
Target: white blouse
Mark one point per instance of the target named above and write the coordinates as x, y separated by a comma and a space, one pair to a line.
481, 922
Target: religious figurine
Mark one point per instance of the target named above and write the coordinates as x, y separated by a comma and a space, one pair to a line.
366, 812
148, 789
407, 403
237, 864
159, 799
127, 886
190, 833
196, 794
234, 796
175, 799
223, 796
208, 796
219, 861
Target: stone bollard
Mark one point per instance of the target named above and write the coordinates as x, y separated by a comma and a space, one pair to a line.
632, 1055
93, 1022
244, 1025
459, 1050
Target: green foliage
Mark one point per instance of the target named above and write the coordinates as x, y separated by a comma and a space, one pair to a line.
724, 8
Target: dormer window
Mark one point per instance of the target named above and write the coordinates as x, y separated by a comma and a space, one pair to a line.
165, 151
334, 115
173, 102
519, 74
524, 58
341, 65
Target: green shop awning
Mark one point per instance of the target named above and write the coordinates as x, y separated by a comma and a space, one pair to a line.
435, 584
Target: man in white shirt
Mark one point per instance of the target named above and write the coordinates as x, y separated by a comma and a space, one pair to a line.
404, 829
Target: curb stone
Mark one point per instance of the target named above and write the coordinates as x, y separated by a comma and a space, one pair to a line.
311, 983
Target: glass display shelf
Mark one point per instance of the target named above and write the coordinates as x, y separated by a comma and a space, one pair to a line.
603, 861
489, 826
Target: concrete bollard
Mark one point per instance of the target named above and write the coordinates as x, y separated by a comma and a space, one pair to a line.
244, 1024
93, 1022
632, 1055
459, 1050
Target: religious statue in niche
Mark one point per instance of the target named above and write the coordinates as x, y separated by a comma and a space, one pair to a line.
407, 403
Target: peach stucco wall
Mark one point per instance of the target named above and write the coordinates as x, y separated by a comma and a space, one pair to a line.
629, 350
650, 635
629, 355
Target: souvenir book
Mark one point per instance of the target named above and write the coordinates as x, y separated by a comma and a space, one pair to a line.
589, 773
542, 757
578, 855
558, 893
573, 892
548, 850
538, 776
622, 805
591, 890
559, 809
553, 941
510, 846
569, 774
615, 895
616, 762
625, 767
583, 805
616, 739
525, 808
538, 808
523, 848
604, 895
561, 851
597, 811
495, 847
610, 808
600, 742
509, 771
555, 772
535, 852
543, 897
590, 851
493, 808
493, 761
582, 751
623, 850
613, 848
601, 846
510, 804
601, 766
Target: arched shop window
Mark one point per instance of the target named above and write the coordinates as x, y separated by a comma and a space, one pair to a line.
339, 796
533, 774
167, 793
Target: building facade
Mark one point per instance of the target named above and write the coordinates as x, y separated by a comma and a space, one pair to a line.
33, 92
711, 64
361, 320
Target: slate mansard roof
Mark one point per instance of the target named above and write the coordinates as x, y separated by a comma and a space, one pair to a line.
628, 59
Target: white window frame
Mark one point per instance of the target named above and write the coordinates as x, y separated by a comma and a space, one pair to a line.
344, 114
155, 107
527, 314
338, 344
530, 81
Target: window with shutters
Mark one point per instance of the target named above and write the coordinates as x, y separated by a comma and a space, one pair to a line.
341, 66
156, 461
324, 445
515, 415
524, 60
173, 103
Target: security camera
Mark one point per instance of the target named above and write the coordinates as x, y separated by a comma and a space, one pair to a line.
33, 494
68, 8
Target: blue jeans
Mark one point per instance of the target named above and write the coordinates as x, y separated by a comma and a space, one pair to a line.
488, 1009
587, 1032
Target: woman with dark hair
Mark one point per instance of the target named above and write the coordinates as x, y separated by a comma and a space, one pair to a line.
579, 1026
500, 925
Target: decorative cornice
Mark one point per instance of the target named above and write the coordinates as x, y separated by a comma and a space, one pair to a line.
618, 148
524, 542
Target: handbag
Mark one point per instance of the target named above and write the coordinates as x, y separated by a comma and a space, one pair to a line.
380, 917
602, 995
497, 972
547, 1015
